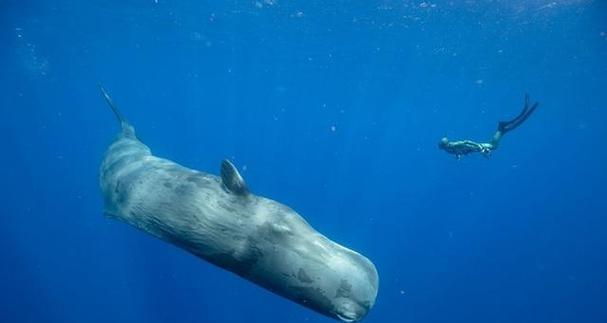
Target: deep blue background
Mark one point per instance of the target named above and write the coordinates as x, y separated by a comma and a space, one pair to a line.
518, 238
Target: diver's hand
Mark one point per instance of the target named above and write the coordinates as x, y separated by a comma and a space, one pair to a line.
486, 151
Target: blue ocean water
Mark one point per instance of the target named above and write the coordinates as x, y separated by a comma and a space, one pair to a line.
334, 108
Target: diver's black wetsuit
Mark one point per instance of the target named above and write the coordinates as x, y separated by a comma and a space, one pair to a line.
464, 147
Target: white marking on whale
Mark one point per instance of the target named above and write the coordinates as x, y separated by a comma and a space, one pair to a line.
220, 221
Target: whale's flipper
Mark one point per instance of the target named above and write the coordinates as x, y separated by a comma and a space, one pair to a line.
127, 129
231, 179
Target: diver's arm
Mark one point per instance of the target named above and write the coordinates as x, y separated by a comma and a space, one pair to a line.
487, 148
472, 144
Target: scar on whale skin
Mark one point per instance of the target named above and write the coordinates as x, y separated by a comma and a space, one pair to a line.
218, 219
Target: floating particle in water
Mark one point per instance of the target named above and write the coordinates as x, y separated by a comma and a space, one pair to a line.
479, 82
196, 35
33, 62
582, 126
548, 6
333, 128
402, 292
261, 4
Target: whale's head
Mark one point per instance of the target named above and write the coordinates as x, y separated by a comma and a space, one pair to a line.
306, 266
357, 291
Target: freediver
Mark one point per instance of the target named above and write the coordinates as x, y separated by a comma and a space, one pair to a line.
464, 147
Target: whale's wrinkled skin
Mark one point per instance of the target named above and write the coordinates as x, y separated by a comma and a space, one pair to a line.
220, 221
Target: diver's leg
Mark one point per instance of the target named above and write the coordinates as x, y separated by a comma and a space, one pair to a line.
495, 141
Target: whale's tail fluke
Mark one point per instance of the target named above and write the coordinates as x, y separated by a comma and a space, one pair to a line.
127, 129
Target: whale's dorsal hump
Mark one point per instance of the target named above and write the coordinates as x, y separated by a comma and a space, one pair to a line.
231, 179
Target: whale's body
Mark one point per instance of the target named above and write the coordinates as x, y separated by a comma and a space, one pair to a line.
219, 220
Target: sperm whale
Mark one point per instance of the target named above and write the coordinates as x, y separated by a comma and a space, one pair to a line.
218, 219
